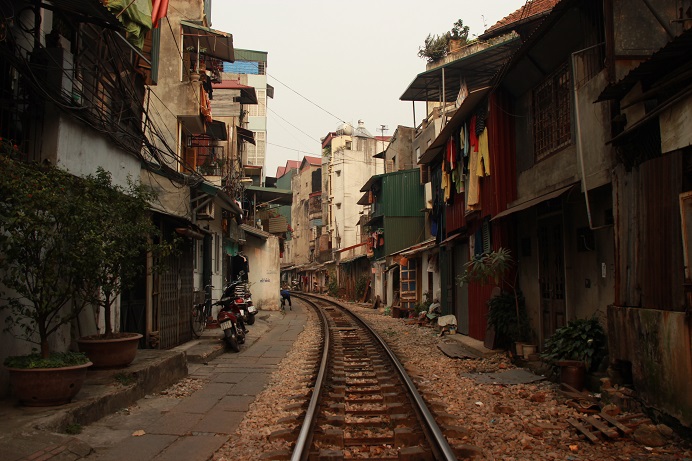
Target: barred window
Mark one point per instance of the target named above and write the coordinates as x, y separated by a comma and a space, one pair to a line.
551, 113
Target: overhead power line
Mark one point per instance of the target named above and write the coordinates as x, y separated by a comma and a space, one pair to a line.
308, 100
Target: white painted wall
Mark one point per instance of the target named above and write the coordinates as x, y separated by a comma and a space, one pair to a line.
264, 275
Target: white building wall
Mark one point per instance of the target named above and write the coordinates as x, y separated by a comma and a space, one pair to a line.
264, 275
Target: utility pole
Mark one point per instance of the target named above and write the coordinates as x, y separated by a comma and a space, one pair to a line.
382, 129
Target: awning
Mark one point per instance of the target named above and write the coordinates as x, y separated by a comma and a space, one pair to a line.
260, 195
217, 130
226, 200
418, 248
259, 233
211, 42
476, 69
451, 238
352, 258
365, 199
245, 135
373, 179
533, 202
192, 124
459, 117
248, 95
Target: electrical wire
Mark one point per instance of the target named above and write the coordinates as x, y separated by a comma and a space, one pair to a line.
308, 100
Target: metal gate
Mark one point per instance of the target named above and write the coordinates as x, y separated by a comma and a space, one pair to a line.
172, 298
551, 274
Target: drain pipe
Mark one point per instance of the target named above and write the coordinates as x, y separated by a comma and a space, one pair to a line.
580, 147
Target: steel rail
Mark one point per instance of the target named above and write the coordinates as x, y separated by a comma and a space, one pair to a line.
301, 449
438, 437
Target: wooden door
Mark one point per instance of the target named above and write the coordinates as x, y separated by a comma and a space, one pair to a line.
551, 276
461, 293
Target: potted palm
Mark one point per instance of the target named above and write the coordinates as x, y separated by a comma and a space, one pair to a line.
47, 237
126, 229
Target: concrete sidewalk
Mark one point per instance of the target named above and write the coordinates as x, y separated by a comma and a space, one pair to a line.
114, 404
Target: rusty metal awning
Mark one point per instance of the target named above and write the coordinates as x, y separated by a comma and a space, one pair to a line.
245, 135
208, 41
533, 202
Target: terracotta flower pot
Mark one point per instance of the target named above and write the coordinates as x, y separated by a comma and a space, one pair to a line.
43, 387
115, 352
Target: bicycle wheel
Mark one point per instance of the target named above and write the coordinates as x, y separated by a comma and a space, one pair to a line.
198, 321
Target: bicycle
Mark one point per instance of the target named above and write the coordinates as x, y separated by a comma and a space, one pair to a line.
201, 313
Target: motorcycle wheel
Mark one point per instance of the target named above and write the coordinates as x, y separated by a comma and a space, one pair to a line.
231, 340
250, 319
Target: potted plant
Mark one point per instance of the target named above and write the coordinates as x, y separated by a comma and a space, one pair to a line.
47, 237
458, 36
126, 227
575, 349
493, 267
434, 48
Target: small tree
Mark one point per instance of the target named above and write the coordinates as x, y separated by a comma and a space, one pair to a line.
493, 266
47, 242
434, 48
459, 31
125, 229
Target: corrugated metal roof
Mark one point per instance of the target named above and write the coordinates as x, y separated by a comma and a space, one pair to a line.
670, 57
208, 41
255, 231
476, 69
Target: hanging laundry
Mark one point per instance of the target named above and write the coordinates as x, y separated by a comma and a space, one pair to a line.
473, 139
473, 187
483, 168
481, 116
450, 154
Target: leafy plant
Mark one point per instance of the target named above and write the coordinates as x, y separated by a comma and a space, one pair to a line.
459, 31
582, 339
434, 47
361, 285
125, 379
49, 234
125, 229
502, 316
333, 286
55, 360
73, 429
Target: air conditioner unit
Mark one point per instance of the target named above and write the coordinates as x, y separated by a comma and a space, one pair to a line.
206, 212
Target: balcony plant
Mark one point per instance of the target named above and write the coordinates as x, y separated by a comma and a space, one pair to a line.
47, 237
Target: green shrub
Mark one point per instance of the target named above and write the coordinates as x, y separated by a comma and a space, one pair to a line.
55, 360
581, 339
502, 316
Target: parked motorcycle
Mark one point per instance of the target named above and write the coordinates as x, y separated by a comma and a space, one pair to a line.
239, 289
231, 323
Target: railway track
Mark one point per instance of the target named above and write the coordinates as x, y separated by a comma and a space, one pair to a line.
362, 405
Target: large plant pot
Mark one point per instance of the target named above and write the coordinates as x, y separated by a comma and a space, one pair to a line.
115, 352
44, 387
572, 373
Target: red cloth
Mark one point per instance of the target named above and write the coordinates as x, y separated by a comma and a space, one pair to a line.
473, 140
159, 9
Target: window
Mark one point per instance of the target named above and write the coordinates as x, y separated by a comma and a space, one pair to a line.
551, 113
259, 109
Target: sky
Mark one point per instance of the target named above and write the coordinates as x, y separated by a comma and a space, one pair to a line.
333, 62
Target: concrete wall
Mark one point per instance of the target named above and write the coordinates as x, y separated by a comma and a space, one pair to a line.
658, 344
264, 276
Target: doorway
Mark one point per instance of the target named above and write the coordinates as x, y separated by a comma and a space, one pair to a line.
551, 274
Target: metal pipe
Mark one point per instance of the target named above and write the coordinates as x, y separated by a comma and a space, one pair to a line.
580, 148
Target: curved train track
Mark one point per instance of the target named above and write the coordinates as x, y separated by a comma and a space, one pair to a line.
362, 403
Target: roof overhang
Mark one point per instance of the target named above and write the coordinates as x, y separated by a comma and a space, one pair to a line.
245, 135
259, 233
417, 248
263, 195
192, 124
217, 130
225, 199
535, 201
373, 179
365, 199
459, 117
353, 258
476, 69
208, 41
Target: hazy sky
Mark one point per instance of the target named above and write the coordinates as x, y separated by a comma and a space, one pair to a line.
353, 59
